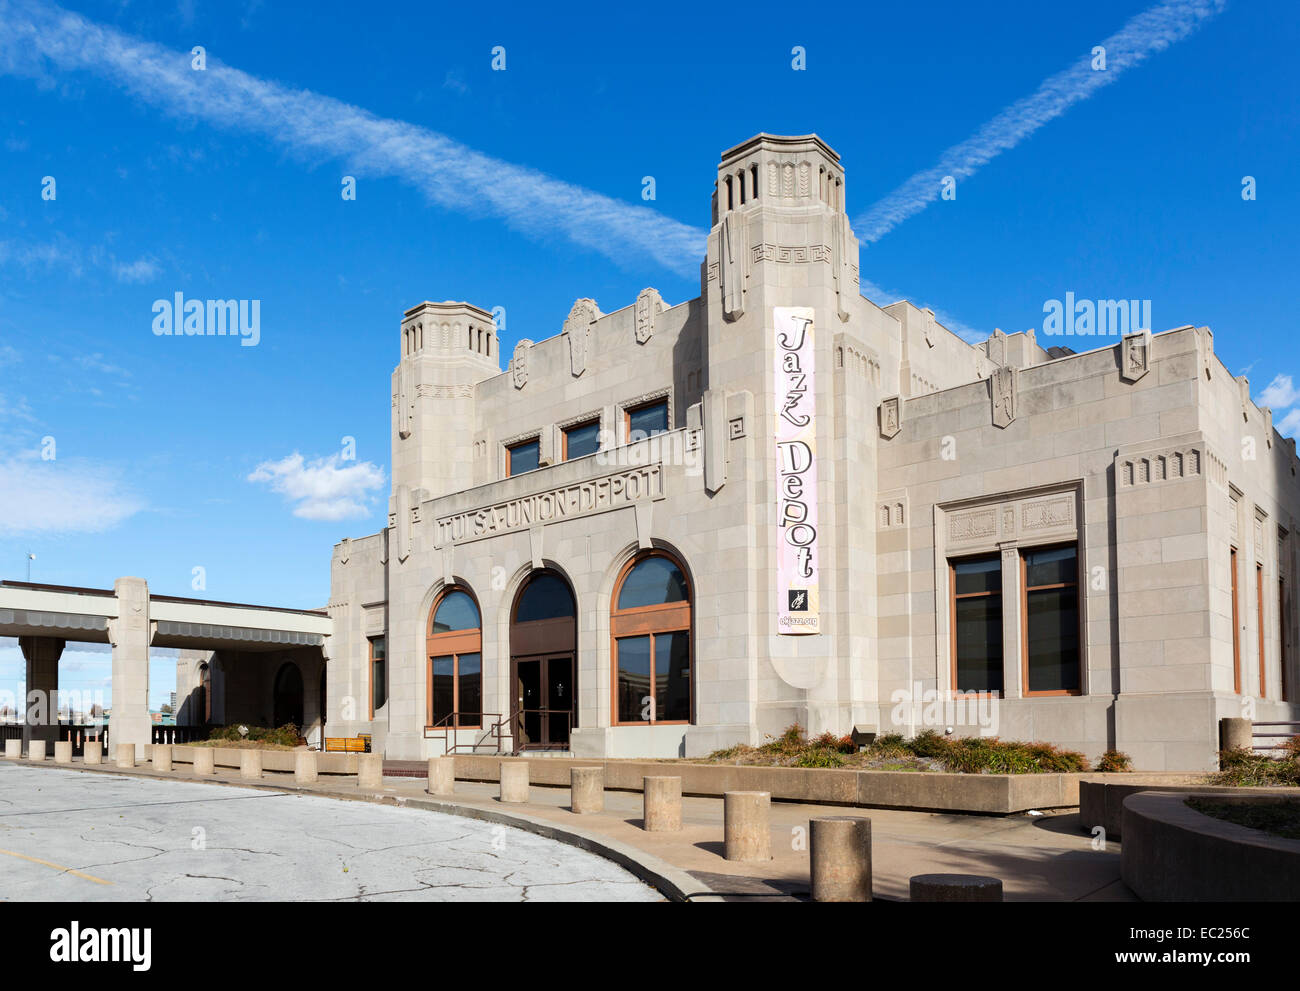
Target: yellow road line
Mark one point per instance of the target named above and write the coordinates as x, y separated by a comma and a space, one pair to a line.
57, 867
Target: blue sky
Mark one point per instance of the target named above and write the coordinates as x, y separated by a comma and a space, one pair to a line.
522, 189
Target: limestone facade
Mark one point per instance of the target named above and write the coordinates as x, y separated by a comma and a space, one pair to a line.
1142, 460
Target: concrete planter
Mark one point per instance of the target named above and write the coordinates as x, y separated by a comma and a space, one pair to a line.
997, 794
1172, 853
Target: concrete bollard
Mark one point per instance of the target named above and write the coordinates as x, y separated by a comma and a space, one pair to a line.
13, 749
839, 853
63, 752
955, 888
250, 764
514, 781
747, 825
126, 755
442, 775
1236, 733
205, 761
93, 752
306, 767
35, 749
160, 756
370, 770
587, 790
662, 802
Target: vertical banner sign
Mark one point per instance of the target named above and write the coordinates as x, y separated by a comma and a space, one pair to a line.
798, 601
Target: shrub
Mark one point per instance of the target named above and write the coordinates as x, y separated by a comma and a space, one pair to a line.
819, 757
1243, 767
285, 736
1114, 762
928, 744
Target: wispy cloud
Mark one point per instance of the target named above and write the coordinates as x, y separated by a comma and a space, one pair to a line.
883, 297
1279, 394
34, 37
140, 270
63, 496
1145, 35
1290, 424
324, 488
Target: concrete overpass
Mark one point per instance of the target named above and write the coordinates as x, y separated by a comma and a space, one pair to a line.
45, 617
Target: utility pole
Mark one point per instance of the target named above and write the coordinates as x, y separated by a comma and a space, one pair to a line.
30, 558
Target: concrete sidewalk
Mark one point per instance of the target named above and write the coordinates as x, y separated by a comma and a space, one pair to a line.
1038, 858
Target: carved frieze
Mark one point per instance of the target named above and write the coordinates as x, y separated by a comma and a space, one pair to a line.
891, 416
1003, 385
519, 363
648, 306
1135, 355
577, 328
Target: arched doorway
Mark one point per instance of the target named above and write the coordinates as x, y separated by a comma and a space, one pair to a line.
544, 662
288, 696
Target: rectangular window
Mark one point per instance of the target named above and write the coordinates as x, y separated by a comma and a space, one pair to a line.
1281, 634
647, 420
456, 682
378, 675
581, 440
977, 624
1051, 621
1236, 626
1259, 615
633, 679
524, 457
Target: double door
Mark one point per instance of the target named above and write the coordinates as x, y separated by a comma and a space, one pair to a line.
544, 698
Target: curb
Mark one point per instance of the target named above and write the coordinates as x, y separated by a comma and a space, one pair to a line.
672, 882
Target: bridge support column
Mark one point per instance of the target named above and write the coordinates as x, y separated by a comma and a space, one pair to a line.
130, 634
42, 705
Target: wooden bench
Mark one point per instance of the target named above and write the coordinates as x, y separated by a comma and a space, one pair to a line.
347, 744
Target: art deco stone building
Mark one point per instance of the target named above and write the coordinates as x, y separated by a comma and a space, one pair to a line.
680, 525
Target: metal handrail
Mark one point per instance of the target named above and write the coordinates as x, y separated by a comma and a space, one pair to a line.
451, 723
568, 714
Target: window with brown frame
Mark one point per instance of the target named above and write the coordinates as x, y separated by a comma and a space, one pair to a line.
1259, 615
378, 675
646, 420
652, 653
454, 648
976, 584
524, 456
581, 439
1050, 609
1236, 625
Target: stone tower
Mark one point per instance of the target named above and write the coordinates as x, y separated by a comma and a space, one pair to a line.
445, 349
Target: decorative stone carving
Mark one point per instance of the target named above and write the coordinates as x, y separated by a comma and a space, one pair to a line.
1207, 352
577, 328
928, 326
996, 348
1243, 387
891, 416
519, 363
1003, 385
345, 550
733, 256
1135, 355
405, 402
648, 306
839, 249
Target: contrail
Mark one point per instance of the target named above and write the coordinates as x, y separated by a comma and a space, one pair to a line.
1150, 32
448, 172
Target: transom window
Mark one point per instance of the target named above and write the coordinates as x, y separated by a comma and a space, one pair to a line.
977, 624
1050, 576
652, 651
522, 457
581, 440
647, 420
454, 647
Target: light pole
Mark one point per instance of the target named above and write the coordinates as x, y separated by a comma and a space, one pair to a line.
30, 558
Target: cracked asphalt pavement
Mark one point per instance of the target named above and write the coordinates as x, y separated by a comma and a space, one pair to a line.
63, 834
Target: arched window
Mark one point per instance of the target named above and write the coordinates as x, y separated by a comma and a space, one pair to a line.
454, 648
651, 631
